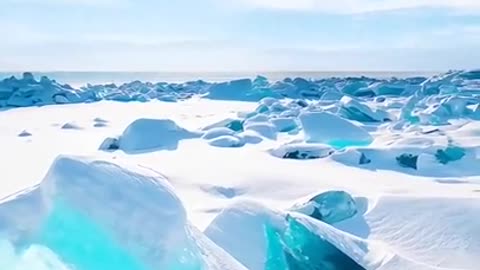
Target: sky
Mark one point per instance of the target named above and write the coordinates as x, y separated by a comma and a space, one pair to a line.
239, 35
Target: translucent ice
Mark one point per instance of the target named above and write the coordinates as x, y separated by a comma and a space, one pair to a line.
95, 215
330, 207
298, 248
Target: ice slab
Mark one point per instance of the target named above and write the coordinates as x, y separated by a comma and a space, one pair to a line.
153, 134
330, 207
324, 127
97, 215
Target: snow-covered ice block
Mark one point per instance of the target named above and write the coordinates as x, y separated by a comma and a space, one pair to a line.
284, 124
227, 141
324, 127
217, 132
233, 90
233, 124
300, 247
110, 144
288, 240
240, 225
153, 134
250, 137
330, 207
78, 215
265, 129
354, 110
257, 118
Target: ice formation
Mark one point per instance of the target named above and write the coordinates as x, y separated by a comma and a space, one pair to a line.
227, 141
330, 207
325, 127
286, 240
409, 145
75, 219
439, 98
217, 132
153, 134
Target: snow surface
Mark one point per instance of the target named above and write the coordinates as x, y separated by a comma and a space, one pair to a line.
405, 150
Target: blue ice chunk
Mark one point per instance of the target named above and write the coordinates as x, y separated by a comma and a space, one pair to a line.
342, 144
275, 256
451, 153
260, 81
471, 75
236, 125
298, 248
284, 124
407, 161
364, 160
81, 242
329, 207
262, 109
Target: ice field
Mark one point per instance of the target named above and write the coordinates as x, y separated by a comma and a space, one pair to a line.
297, 174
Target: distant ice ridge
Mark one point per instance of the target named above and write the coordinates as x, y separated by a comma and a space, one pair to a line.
430, 100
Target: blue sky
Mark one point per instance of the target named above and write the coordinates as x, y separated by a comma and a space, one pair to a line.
239, 35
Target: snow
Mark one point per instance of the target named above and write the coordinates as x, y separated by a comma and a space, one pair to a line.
226, 141
217, 132
166, 185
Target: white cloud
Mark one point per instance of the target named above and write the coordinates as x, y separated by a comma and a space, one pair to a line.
359, 6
